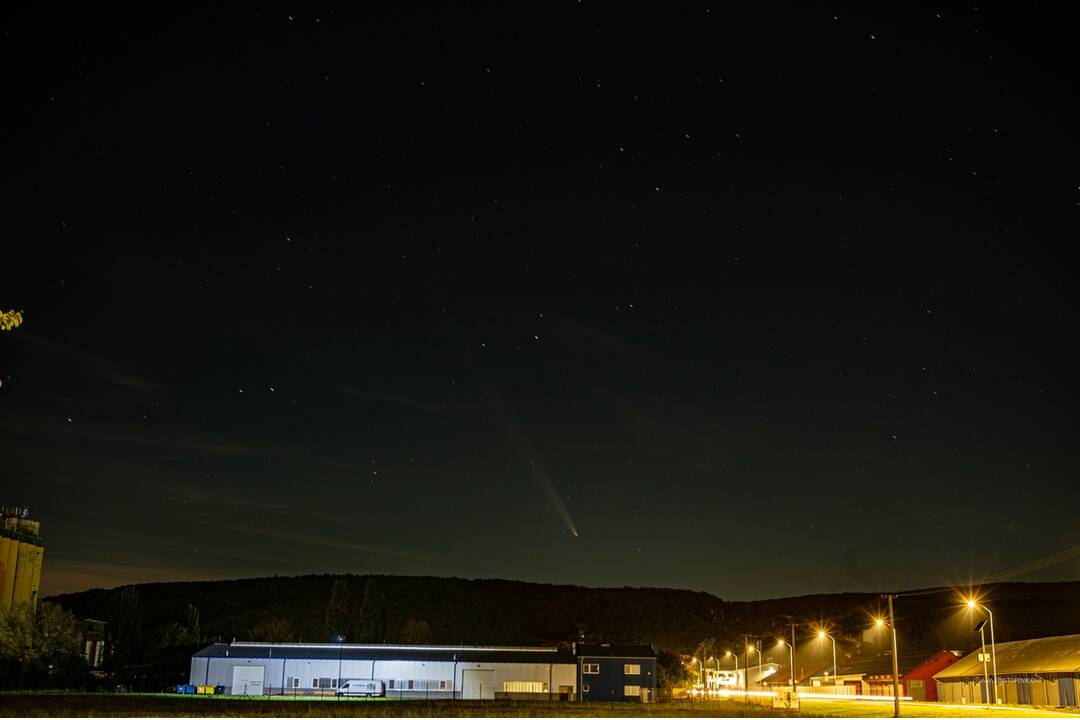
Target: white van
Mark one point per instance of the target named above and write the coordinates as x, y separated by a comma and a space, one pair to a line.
367, 688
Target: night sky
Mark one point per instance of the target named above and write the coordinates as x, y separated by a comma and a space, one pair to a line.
749, 298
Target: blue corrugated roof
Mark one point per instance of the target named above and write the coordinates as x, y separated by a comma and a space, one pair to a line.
424, 653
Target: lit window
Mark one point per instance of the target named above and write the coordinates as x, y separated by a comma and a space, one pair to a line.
631, 690
632, 669
524, 686
590, 668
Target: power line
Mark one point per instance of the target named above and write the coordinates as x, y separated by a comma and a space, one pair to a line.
1049, 560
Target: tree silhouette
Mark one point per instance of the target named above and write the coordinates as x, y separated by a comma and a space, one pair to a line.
416, 632
273, 630
372, 626
337, 609
126, 625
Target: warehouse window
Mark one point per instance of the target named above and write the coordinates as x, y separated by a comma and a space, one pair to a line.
442, 684
631, 669
411, 683
590, 668
315, 682
391, 684
333, 683
631, 690
324, 683
525, 686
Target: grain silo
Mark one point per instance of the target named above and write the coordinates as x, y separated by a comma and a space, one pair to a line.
21, 555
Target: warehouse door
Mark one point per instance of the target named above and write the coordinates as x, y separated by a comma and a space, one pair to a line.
1066, 691
478, 684
247, 680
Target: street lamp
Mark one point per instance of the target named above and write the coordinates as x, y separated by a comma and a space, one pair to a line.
750, 649
791, 650
701, 672
736, 656
716, 679
975, 605
982, 657
340, 640
821, 636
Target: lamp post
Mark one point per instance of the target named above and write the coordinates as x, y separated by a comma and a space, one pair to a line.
791, 651
821, 636
340, 640
975, 605
701, 672
734, 656
750, 649
982, 656
715, 678
759, 654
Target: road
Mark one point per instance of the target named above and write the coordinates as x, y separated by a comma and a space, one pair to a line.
877, 708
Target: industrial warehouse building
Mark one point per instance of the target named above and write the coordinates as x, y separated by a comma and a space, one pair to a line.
430, 671
872, 675
1043, 671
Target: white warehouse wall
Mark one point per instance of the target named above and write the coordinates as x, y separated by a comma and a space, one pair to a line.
219, 671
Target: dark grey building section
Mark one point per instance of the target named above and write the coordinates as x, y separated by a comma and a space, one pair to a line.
616, 672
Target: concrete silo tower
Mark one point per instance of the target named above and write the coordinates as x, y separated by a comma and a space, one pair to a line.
21, 555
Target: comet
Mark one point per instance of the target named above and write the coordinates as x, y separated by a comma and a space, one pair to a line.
525, 449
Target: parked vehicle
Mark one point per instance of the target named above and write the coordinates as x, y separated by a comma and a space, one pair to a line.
365, 688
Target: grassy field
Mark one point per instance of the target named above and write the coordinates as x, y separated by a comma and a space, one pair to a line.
161, 705
98, 705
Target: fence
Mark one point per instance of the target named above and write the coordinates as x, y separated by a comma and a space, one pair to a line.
828, 689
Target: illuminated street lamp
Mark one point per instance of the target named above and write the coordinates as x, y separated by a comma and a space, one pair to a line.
821, 636
791, 650
750, 649
974, 605
982, 658
736, 656
717, 668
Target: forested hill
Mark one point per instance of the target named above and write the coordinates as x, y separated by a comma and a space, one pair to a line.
503, 612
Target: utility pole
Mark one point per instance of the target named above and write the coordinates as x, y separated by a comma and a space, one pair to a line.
758, 663
895, 667
746, 664
793, 658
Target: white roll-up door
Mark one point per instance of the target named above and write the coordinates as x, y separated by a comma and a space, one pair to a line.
478, 684
247, 680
